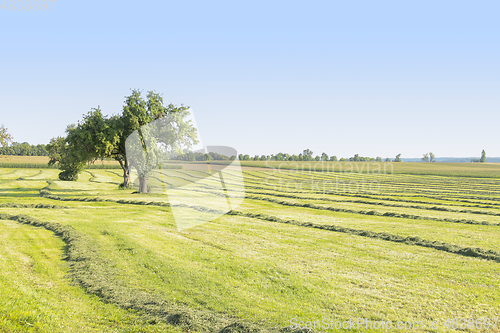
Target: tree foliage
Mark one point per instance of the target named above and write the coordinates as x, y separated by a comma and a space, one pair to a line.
97, 136
66, 157
307, 155
24, 149
429, 157
5, 137
483, 157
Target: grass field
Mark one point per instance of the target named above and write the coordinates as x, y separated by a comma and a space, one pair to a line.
23, 159
41, 162
414, 168
418, 245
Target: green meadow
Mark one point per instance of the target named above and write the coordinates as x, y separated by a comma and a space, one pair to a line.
417, 244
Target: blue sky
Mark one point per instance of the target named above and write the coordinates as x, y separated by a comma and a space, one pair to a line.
376, 78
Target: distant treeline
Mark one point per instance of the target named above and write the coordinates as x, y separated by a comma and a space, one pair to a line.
203, 157
307, 155
24, 149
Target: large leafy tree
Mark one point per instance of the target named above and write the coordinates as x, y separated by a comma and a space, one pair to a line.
98, 136
164, 138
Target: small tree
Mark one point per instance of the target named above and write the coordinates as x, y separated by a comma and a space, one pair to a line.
324, 157
66, 157
429, 157
307, 155
398, 158
483, 157
5, 137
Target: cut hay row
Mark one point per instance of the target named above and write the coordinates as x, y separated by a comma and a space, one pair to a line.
98, 277
409, 240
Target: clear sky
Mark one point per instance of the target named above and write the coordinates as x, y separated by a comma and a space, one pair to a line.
375, 78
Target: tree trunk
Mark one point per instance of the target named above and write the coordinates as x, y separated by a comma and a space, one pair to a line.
143, 184
126, 173
126, 179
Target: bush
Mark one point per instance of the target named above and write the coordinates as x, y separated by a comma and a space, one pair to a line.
68, 175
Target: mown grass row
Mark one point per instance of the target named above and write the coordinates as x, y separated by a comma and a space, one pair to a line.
258, 185
381, 196
329, 187
379, 203
252, 195
88, 166
405, 183
96, 276
389, 180
384, 177
17, 205
370, 212
393, 184
410, 240
45, 193
363, 212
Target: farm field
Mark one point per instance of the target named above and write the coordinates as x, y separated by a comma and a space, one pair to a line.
418, 245
414, 168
